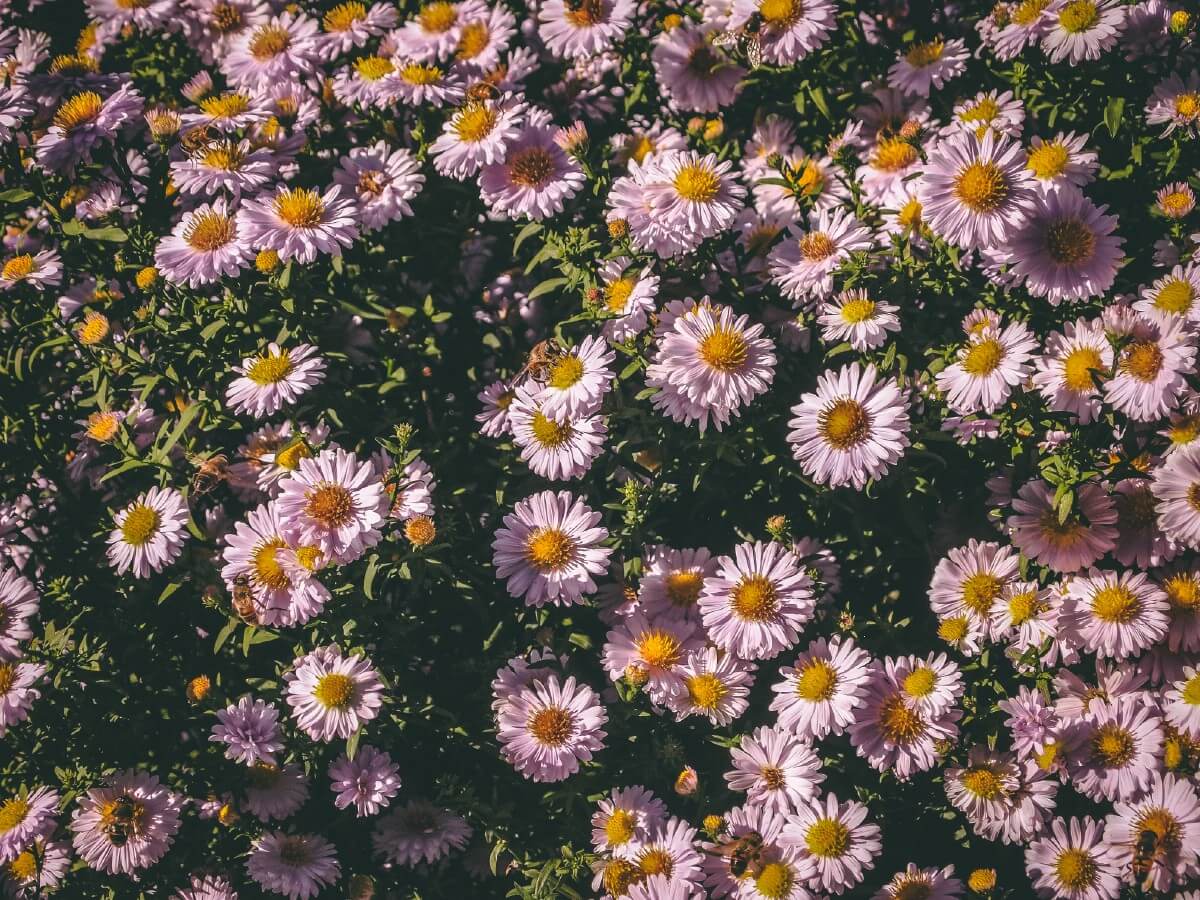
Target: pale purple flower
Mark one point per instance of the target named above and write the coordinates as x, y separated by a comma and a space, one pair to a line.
332, 695
298, 866
775, 769
548, 728
151, 832
419, 832
368, 781
148, 533
301, 223
249, 730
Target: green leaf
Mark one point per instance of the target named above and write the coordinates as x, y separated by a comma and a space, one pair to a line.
286, 277
352, 744
169, 590
1112, 114
15, 195
527, 232
369, 577
225, 633
546, 287
109, 233
818, 97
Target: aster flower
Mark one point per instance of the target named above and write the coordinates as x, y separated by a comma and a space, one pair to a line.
18, 691
298, 866
535, 179
1149, 374
1065, 545
40, 270
987, 368
790, 30
970, 579
227, 112
1071, 364
25, 817
1176, 486
275, 792
931, 686
822, 689
208, 243
775, 769
558, 451
382, 180
578, 33
892, 734
1170, 809
1061, 161
804, 264
419, 832
149, 834
1114, 748
300, 223
577, 380
672, 580
236, 166
1175, 200
756, 604
333, 502
1115, 614
1071, 861
1082, 29
982, 790
1173, 298
931, 884
1181, 584
1182, 703
712, 684
835, 843
669, 850
352, 24
206, 887
477, 135
693, 73
497, 400
628, 295
18, 604
484, 36
249, 730
368, 781
854, 317
928, 65
624, 818
852, 429
546, 729
331, 695
993, 110
649, 651
148, 533
274, 379
694, 193
285, 48
435, 31
82, 123
548, 549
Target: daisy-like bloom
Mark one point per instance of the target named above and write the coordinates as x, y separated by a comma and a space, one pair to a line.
757, 603
38, 869
628, 295
1032, 803
931, 686
1028, 617
823, 688
1082, 29
382, 180
1181, 584
249, 730
148, 15
582, 30
559, 450
332, 695
921, 884
549, 549
435, 31
649, 651
300, 223
1071, 363
334, 502
1114, 681
975, 191
546, 729
535, 179
352, 24
1065, 249
1175, 200
803, 265
1114, 748
629, 207
16, 105
577, 380
692, 73
477, 135
1176, 485
711, 363
1141, 541
695, 194
41, 270
776, 879
836, 844
149, 533
496, 399
1182, 703
775, 769
1170, 809
228, 112
928, 65
1065, 545
17, 691
368, 781
672, 580
208, 242
891, 733
83, 122
712, 684
987, 111
852, 429
236, 166
625, 817
24, 817
206, 887
890, 164
1063, 160
790, 29
275, 792
982, 790
419, 832
1149, 376
853, 316
299, 866
970, 579
19, 603
987, 368
1173, 298
485, 35
669, 850
275, 378
1114, 615
284, 49
148, 833
1071, 862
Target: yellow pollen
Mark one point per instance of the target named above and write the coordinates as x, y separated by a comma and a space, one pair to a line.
844, 424
548, 549
1183, 593
920, 682
659, 649
334, 691
985, 111
267, 570
775, 881
330, 504
983, 357
858, 310
1028, 11
909, 216
13, 813
811, 180
531, 167
1116, 603
21, 266
1176, 204
1079, 16
816, 246
982, 187
269, 41
437, 18
893, 154
616, 294
706, 691
953, 629
982, 782
270, 368
551, 726
24, 868
980, 591
1143, 360
924, 54
683, 588
642, 148
74, 65
781, 13
620, 827
226, 18
343, 16
300, 207
1191, 691
474, 122
209, 230
566, 373
589, 13
827, 838
899, 722
93, 329
817, 681
8, 677
619, 875
1175, 296
141, 523
724, 349
289, 457
1113, 745
697, 183
225, 106
1046, 757
656, 861
1078, 368
372, 68
754, 598
420, 530
1048, 160
1023, 607
78, 111
1075, 869
309, 557
1070, 242
474, 40
549, 433
982, 881
102, 426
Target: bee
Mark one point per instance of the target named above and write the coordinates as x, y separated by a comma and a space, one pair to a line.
482, 91
121, 822
1150, 848
209, 474
744, 40
243, 600
745, 854
197, 140
541, 359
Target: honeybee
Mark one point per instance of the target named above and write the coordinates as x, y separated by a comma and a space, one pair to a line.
1151, 847
745, 854
197, 140
541, 358
744, 40
243, 600
121, 822
209, 474
482, 91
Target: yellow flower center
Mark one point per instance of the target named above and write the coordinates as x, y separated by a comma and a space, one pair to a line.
1078, 368
656, 861
474, 40
439, 17
300, 207
781, 12
724, 349
817, 681
372, 68
102, 426
1183, 593
589, 13
531, 167
620, 827
1143, 360
225, 155
551, 726
858, 310
8, 677
985, 111
920, 682
982, 782
566, 372
1069, 242
1176, 204
1079, 16
909, 217
659, 649
289, 457
827, 838
1113, 745
925, 54
548, 549
816, 246
225, 18
697, 183
268, 42
980, 591
93, 329
1191, 691
73, 66
1116, 603
309, 557
1027, 11
775, 881
549, 433
1175, 296
619, 875
225, 106
24, 868
683, 588
343, 16
474, 122
1048, 160
983, 357
267, 570
270, 368
330, 504
754, 598
78, 111
20, 266
13, 813
1075, 869
982, 881
616, 294
982, 187
706, 691
209, 230
1023, 607
334, 691
899, 722
141, 523
844, 424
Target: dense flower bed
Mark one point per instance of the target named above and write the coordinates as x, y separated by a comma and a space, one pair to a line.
599, 449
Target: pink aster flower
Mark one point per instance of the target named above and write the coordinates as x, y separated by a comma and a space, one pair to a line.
558, 451
1182, 703
148, 533
821, 691
546, 729
334, 502
477, 135
206, 887
1064, 544
274, 379
578, 33
249, 730
18, 691
1114, 748
151, 831
790, 31
928, 65
496, 399
1170, 809
932, 685
775, 769
1071, 364
368, 781
835, 842
535, 179
892, 734
578, 379
854, 317
1176, 486
233, 165
549, 549
419, 832
970, 579
670, 847
40, 270
1079, 30
1072, 862
28, 816
930, 884
628, 295
648, 652
18, 604
382, 180
208, 243
713, 684
694, 194
82, 123
299, 866
275, 792
1061, 161
332, 695
1115, 614
987, 369
1149, 377
284, 49
672, 579
694, 74
625, 816
803, 265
